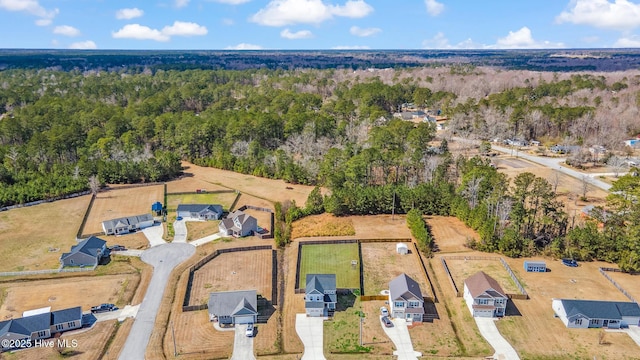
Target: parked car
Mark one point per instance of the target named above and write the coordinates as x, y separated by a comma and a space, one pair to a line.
117, 248
249, 331
179, 218
103, 308
384, 311
386, 321
569, 262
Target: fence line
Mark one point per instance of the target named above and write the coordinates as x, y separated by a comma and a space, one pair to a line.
38, 202
47, 271
446, 270
373, 297
202, 192
424, 268
85, 217
618, 286
514, 278
523, 293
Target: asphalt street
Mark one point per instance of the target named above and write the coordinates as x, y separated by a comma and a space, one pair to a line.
163, 258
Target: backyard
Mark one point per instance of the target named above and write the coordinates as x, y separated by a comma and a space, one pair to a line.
331, 259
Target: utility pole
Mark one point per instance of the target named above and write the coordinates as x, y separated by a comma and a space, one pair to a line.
173, 334
393, 208
361, 318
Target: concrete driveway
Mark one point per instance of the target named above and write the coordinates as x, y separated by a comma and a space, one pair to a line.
180, 231
399, 334
154, 234
311, 331
242, 345
163, 258
130, 252
489, 331
632, 331
120, 314
205, 239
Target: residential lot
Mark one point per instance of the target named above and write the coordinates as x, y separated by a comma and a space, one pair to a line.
322, 225
116, 202
331, 259
244, 270
224, 199
630, 283
34, 237
462, 269
450, 234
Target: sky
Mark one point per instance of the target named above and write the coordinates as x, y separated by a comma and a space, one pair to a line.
318, 24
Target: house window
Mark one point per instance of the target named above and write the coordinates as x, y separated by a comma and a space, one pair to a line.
594, 322
59, 327
578, 322
71, 324
42, 334
398, 304
483, 301
414, 304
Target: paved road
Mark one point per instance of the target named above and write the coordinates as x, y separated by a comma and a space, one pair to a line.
399, 334
154, 234
311, 332
489, 331
242, 345
163, 258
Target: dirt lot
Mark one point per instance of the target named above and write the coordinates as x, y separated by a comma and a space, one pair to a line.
85, 291
381, 227
382, 263
245, 270
39, 246
630, 283
322, 225
450, 234
462, 269
115, 203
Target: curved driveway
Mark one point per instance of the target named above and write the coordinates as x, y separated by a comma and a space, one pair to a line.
163, 258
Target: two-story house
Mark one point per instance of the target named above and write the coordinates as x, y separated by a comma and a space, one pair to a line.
405, 299
239, 224
484, 296
320, 294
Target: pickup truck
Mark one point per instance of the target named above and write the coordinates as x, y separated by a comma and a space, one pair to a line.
103, 308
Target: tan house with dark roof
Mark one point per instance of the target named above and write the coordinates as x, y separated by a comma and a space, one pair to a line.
484, 296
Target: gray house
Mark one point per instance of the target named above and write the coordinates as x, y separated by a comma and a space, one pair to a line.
88, 252
233, 307
200, 211
405, 299
484, 296
239, 224
320, 294
596, 313
127, 224
39, 326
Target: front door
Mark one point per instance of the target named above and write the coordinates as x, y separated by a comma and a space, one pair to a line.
605, 323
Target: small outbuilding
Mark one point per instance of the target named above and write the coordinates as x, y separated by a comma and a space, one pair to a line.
402, 248
535, 266
156, 208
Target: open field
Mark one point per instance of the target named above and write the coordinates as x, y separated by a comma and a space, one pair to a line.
630, 283
462, 269
243, 270
322, 225
331, 259
116, 203
382, 263
197, 339
450, 234
538, 326
34, 237
381, 227
224, 199
200, 229
68, 292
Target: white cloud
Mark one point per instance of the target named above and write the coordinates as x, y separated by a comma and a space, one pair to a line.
139, 32
302, 34
32, 7
232, 2
522, 39
228, 22
440, 41
289, 12
434, 8
632, 41
181, 3
66, 30
84, 45
618, 15
363, 32
130, 13
351, 47
181, 28
244, 46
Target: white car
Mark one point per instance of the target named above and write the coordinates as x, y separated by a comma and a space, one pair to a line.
384, 311
249, 331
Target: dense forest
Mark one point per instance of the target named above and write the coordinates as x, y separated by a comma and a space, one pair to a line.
332, 128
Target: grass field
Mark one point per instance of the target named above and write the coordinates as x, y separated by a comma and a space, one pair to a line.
200, 229
450, 234
34, 237
322, 225
462, 269
224, 199
331, 259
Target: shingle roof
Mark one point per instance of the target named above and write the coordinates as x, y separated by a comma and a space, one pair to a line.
404, 287
229, 222
320, 282
596, 309
480, 282
66, 315
200, 208
125, 221
91, 246
230, 303
40, 322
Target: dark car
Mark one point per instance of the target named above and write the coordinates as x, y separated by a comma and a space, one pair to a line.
117, 248
103, 308
569, 262
386, 321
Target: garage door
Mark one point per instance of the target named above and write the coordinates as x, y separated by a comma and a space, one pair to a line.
483, 313
244, 319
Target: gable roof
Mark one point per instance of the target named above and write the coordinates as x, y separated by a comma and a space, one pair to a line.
596, 309
233, 303
198, 208
404, 287
230, 221
66, 315
480, 283
126, 221
26, 325
320, 283
91, 246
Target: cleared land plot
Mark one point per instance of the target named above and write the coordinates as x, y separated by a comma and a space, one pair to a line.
116, 203
331, 259
322, 225
197, 339
64, 293
630, 283
538, 326
462, 269
243, 270
34, 237
450, 233
381, 227
200, 229
224, 199
516, 163
381, 263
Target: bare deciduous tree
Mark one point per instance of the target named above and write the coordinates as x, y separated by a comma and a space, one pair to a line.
94, 184
617, 164
554, 180
585, 186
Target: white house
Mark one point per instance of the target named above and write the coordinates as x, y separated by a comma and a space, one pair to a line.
484, 296
320, 294
127, 224
200, 211
596, 313
405, 299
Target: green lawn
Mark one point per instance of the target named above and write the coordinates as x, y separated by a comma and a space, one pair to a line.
224, 199
331, 259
